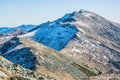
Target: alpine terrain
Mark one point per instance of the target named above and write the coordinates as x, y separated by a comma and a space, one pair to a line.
79, 46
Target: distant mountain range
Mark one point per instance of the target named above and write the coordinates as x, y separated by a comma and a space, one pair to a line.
79, 46
26, 28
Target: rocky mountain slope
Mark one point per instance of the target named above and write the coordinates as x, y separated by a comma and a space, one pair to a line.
84, 36
43, 60
58, 33
96, 43
12, 71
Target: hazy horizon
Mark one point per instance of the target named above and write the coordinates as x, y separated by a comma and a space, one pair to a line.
17, 12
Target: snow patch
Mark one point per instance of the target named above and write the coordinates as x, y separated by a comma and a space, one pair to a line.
28, 34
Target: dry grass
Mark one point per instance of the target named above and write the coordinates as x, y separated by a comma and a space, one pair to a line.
5, 75
43, 50
56, 74
105, 77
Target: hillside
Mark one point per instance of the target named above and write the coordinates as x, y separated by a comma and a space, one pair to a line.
13, 71
43, 60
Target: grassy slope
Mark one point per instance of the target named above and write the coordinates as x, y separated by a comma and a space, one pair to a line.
55, 64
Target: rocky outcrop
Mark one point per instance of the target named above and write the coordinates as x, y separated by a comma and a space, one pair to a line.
12, 71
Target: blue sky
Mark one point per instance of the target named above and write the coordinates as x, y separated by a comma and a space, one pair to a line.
17, 12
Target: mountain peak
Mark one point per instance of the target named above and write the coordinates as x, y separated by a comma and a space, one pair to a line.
69, 17
84, 11
78, 15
